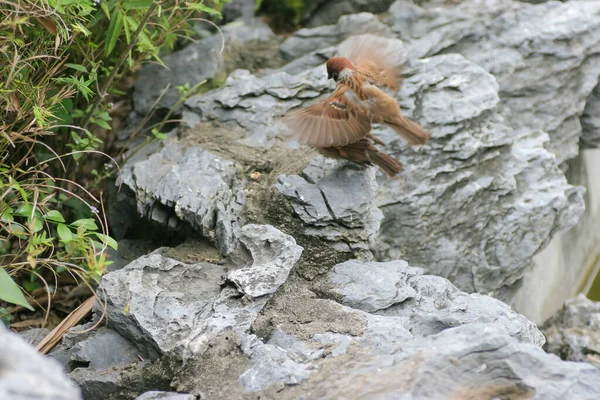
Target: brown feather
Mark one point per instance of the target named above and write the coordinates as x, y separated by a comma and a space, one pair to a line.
336, 121
368, 53
363, 152
409, 130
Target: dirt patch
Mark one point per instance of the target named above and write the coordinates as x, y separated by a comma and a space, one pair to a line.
215, 374
298, 311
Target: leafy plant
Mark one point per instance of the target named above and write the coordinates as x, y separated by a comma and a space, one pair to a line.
61, 61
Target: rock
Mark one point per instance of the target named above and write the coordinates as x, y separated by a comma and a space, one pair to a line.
254, 103
476, 169
271, 262
534, 51
172, 307
321, 12
427, 304
307, 40
238, 9
489, 177
475, 361
35, 335
320, 199
197, 62
154, 395
196, 185
27, 375
573, 332
98, 362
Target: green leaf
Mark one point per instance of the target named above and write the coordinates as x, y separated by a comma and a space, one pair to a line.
104, 7
114, 31
137, 4
16, 229
37, 225
6, 316
54, 216
10, 291
110, 242
64, 233
102, 124
25, 210
40, 120
201, 7
62, 112
76, 137
7, 216
89, 224
77, 67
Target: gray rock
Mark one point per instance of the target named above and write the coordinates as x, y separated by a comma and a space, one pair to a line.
35, 335
308, 40
99, 360
271, 262
27, 375
321, 200
175, 307
490, 178
309, 61
273, 364
573, 332
461, 208
426, 304
475, 361
195, 185
535, 52
254, 103
322, 12
155, 395
195, 63
238, 9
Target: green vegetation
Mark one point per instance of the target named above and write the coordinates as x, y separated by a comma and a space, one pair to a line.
61, 63
287, 14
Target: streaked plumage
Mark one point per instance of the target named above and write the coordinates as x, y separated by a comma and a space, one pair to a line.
340, 126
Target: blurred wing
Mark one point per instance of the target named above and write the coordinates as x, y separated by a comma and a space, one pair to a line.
372, 53
337, 121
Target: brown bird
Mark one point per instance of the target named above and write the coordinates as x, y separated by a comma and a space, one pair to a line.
340, 126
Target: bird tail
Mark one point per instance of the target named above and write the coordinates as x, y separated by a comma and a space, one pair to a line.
388, 164
409, 130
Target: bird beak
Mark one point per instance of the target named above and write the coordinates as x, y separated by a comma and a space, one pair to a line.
329, 75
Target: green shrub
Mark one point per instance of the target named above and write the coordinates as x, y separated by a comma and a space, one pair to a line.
61, 61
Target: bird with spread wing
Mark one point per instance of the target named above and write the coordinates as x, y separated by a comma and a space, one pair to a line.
340, 126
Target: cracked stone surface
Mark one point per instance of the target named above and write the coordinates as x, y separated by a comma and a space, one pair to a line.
187, 183
320, 198
156, 395
173, 306
322, 12
534, 51
462, 208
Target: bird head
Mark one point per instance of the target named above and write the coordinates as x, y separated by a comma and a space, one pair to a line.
335, 65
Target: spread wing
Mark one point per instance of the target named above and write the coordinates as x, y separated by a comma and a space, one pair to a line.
375, 55
337, 121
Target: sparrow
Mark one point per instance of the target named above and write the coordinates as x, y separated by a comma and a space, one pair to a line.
340, 126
